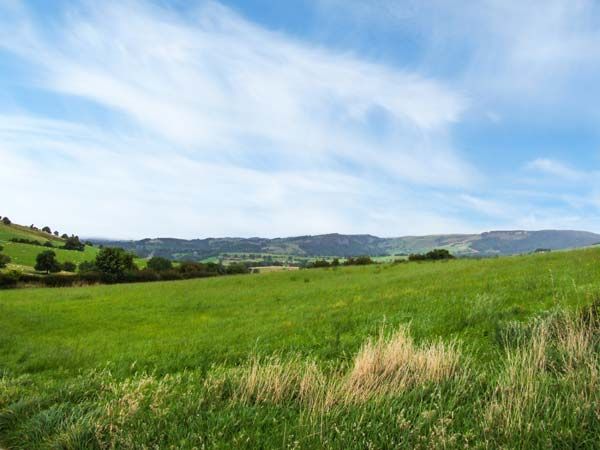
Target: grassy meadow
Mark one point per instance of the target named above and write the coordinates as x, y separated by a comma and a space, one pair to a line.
23, 255
495, 353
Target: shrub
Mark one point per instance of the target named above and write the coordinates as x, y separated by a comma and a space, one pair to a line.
4, 260
87, 266
359, 261
47, 230
46, 262
434, 255
159, 264
25, 241
73, 243
10, 279
6, 221
190, 266
319, 263
69, 266
237, 268
48, 244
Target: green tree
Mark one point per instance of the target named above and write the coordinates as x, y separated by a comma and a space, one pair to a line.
73, 243
114, 261
159, 264
6, 221
46, 262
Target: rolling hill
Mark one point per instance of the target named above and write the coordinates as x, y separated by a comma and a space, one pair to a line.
484, 244
23, 255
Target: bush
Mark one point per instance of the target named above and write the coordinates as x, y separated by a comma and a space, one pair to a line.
159, 264
10, 279
359, 261
87, 266
4, 260
319, 263
73, 243
434, 255
6, 221
47, 230
237, 268
69, 266
26, 241
48, 244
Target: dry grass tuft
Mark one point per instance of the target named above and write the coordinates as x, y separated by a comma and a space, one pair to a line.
386, 366
561, 350
383, 366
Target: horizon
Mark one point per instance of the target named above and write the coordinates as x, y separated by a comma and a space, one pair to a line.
108, 239
247, 118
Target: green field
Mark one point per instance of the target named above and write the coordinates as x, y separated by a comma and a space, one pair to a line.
23, 255
270, 361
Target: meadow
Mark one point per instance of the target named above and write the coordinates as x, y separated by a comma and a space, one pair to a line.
494, 353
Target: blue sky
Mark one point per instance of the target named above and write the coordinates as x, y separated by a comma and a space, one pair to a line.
144, 118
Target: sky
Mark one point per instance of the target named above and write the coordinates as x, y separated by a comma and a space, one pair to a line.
201, 118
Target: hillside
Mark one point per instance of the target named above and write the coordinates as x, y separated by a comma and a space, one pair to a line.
23, 255
285, 360
485, 244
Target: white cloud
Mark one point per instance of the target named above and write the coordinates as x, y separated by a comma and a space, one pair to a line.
556, 169
223, 128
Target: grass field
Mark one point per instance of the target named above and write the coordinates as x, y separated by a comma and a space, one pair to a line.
23, 255
283, 360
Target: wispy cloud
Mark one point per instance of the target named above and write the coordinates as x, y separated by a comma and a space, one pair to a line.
225, 127
556, 169
230, 115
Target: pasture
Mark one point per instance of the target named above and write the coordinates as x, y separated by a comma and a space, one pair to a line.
284, 360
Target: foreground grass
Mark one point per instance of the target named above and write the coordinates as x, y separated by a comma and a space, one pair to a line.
432, 355
544, 394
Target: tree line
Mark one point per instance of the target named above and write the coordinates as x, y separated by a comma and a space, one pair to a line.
114, 265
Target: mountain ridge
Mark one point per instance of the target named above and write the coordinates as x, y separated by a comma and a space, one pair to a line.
489, 243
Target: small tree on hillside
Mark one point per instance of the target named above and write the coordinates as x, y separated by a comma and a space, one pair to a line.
46, 262
47, 230
65, 236
114, 261
159, 264
6, 221
73, 243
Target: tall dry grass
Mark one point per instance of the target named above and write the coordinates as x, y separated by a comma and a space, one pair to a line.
555, 371
389, 365
383, 367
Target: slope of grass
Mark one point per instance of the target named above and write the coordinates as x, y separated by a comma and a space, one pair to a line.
277, 360
7, 232
25, 254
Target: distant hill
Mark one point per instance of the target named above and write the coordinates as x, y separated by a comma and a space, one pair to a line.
484, 244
